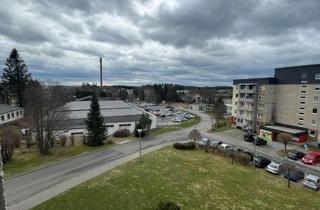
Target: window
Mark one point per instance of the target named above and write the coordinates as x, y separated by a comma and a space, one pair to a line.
304, 75
313, 122
317, 76
302, 102
303, 92
8, 116
316, 99
12, 115
261, 97
304, 86
300, 123
237, 95
125, 125
301, 113
21, 112
17, 113
312, 133
2, 117
235, 103
314, 111
235, 111
109, 126
301, 108
302, 97
262, 87
317, 88
260, 115
260, 106
300, 119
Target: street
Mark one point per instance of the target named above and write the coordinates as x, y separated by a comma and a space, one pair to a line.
28, 190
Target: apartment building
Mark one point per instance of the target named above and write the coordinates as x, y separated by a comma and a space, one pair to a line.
288, 102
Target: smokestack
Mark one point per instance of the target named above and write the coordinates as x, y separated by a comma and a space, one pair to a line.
101, 72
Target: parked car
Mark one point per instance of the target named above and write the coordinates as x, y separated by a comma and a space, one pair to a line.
248, 137
171, 110
225, 147
275, 168
215, 143
183, 119
294, 175
312, 181
261, 162
295, 155
177, 120
259, 141
311, 158
203, 142
169, 114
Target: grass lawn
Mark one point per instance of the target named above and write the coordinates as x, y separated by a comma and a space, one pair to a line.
222, 125
26, 159
167, 129
193, 179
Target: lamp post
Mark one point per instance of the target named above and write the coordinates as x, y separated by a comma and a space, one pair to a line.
2, 197
140, 131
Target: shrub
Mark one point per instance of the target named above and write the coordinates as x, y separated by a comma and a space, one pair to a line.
63, 140
121, 133
185, 146
7, 149
167, 206
242, 158
29, 139
72, 140
13, 134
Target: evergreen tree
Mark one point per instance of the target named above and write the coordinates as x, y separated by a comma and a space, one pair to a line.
144, 124
15, 76
97, 130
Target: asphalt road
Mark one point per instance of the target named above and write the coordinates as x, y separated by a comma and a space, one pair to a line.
25, 191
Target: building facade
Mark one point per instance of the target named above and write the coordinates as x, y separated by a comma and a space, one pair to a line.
290, 100
10, 113
117, 115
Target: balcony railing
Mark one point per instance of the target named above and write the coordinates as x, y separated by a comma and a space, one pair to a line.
246, 99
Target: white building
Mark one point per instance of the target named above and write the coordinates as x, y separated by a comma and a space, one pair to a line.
10, 113
117, 115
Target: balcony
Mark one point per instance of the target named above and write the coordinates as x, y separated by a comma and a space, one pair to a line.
245, 99
247, 90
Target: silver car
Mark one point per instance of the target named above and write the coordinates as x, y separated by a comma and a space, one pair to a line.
275, 168
312, 181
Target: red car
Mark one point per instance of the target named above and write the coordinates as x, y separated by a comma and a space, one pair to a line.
311, 158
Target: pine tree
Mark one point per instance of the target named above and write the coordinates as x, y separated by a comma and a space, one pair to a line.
97, 130
15, 76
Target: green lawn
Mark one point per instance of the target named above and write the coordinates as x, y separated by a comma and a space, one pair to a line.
222, 124
26, 159
167, 129
194, 180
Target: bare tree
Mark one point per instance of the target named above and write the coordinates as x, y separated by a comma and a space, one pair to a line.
285, 138
7, 150
45, 106
195, 135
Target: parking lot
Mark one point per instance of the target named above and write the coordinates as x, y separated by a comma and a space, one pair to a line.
167, 115
234, 139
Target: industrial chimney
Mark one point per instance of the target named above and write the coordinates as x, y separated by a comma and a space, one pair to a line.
101, 72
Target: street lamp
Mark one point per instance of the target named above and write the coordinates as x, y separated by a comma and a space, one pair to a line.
140, 131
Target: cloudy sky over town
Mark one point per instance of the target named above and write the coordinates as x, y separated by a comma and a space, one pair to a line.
190, 42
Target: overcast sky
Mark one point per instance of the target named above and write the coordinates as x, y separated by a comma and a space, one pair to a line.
190, 42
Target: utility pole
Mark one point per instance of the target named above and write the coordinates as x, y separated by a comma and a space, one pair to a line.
101, 72
2, 197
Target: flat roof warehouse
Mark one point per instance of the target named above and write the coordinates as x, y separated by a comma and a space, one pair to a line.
112, 111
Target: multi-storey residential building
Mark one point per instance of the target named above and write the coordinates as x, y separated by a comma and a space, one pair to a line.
288, 102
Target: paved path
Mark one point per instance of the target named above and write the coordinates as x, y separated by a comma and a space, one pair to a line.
26, 191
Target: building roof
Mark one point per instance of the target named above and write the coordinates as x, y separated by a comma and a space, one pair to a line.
262, 81
80, 109
284, 128
4, 108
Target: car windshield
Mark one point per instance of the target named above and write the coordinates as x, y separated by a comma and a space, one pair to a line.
310, 180
310, 157
275, 166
